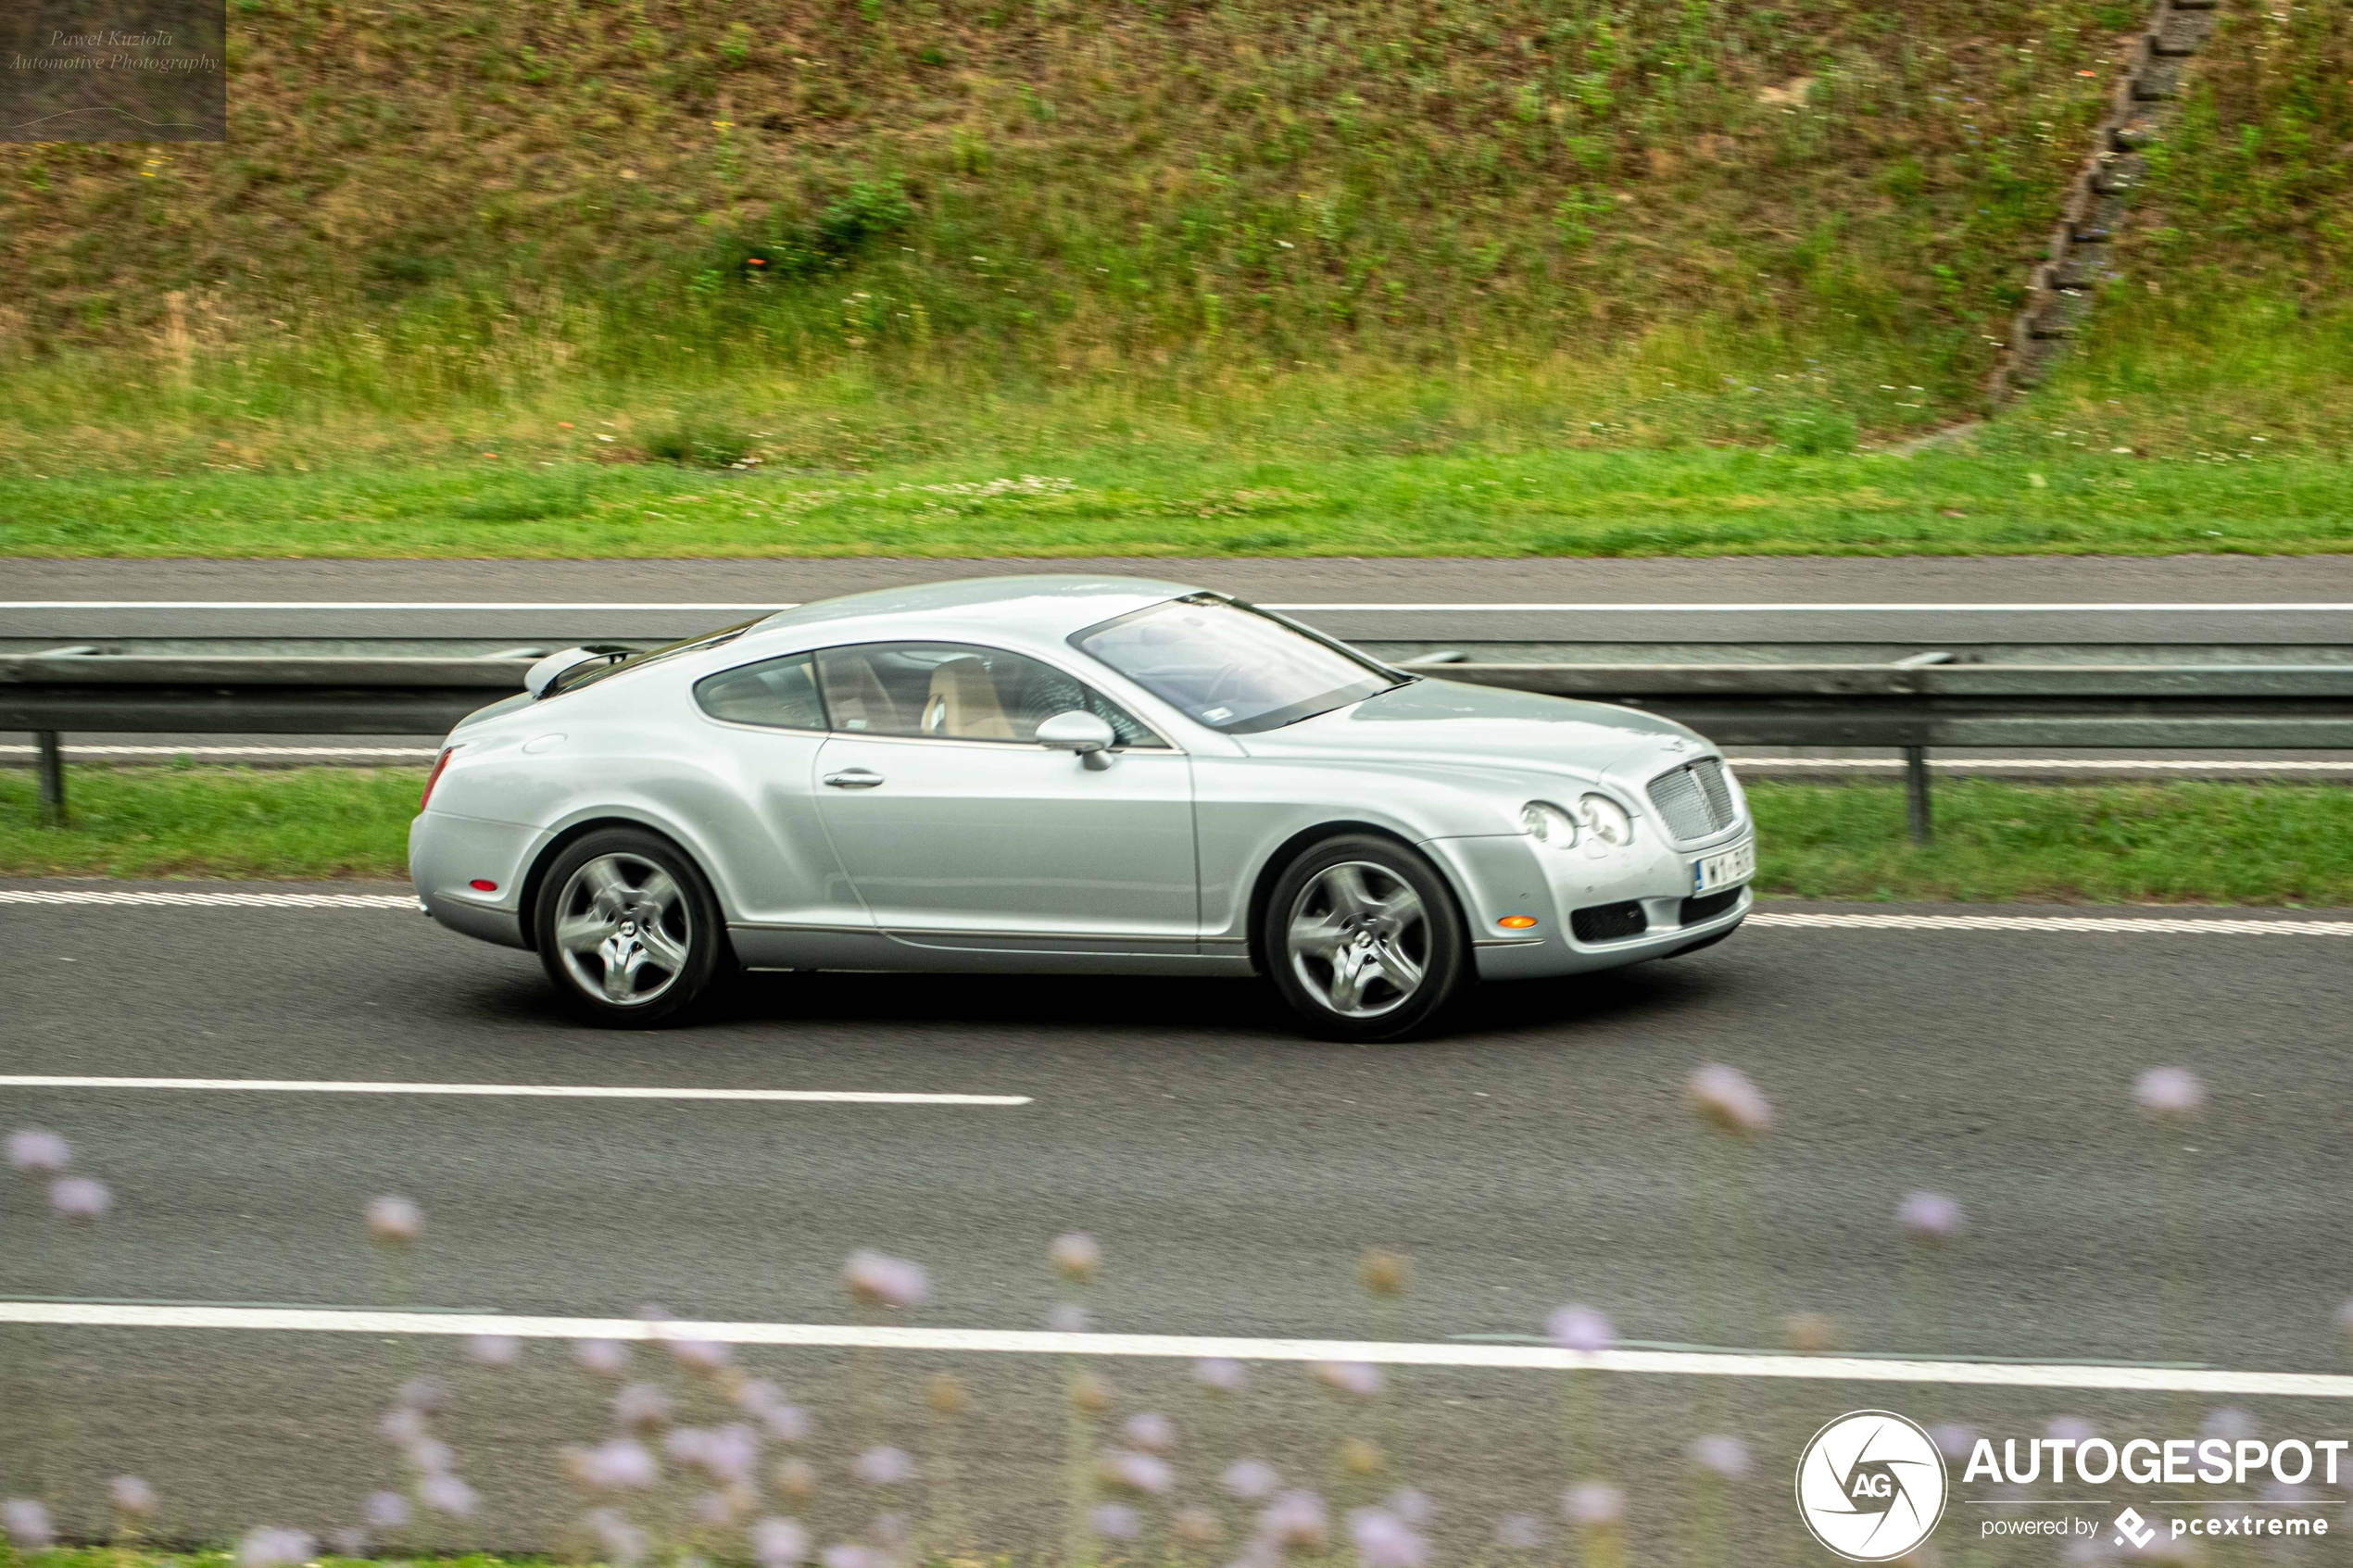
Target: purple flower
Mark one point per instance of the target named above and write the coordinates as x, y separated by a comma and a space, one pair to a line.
26, 1524
1383, 1540
1137, 1472
423, 1394
1296, 1521
1248, 1480
625, 1543
2230, 1422
394, 1220
787, 1424
1220, 1374
269, 1548
1591, 1505
402, 1427
732, 1453
1728, 1097
37, 1151
880, 1280
1930, 1217
717, 1510
1414, 1507
757, 1396
2170, 1094
1151, 1431
1954, 1439
80, 1197
445, 1493
641, 1404
608, 1358
2073, 1429
622, 1464
701, 1355
1720, 1455
883, 1467
1519, 1532
1575, 1327
350, 1543
495, 1349
844, 1554
779, 1543
1115, 1522
1069, 1317
1075, 1257
384, 1511
132, 1496
431, 1456
1197, 1526
1360, 1378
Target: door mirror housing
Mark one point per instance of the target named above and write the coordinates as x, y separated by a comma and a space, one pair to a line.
1085, 734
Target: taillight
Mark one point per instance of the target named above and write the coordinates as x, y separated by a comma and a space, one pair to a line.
435, 777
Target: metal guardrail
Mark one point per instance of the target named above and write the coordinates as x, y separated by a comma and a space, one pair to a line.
1916, 704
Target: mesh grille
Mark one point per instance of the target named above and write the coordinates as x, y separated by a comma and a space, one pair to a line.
1694, 800
1609, 922
1707, 906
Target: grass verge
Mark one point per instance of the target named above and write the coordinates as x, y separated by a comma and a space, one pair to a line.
2188, 843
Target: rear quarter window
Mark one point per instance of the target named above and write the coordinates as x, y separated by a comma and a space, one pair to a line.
780, 694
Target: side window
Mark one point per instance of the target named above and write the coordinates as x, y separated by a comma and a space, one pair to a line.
780, 692
958, 692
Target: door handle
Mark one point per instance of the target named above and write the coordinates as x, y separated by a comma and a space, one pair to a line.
854, 778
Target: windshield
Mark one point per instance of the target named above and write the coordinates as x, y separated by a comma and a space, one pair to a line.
1231, 666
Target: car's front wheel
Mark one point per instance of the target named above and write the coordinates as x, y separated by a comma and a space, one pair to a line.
1363, 939
628, 930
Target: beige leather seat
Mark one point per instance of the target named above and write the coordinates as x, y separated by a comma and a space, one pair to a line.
963, 703
857, 697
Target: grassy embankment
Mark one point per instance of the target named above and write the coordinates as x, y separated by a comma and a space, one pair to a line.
1250, 286
2165, 843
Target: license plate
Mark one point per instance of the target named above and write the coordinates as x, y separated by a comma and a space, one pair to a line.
1729, 869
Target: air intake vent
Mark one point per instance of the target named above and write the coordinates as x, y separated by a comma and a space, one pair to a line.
1707, 906
1694, 800
1609, 922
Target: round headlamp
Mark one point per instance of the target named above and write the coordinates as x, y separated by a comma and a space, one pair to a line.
1548, 824
1606, 819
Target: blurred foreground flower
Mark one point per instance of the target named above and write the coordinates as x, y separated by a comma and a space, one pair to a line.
1575, 1327
2170, 1094
272, 1548
1149, 1431
2072, 1429
1729, 1098
1360, 1378
1069, 1317
495, 1349
26, 1524
385, 1513
1383, 1540
624, 1544
1519, 1532
883, 1467
641, 1404
1412, 1506
1954, 1439
423, 1394
1296, 1521
132, 1496
1808, 1333
1115, 1522
1221, 1376
1932, 1217
1075, 1257
1384, 1273
444, 1493
1248, 1480
779, 1543
1720, 1455
1589, 1505
880, 1280
80, 1197
37, 1151
394, 1220
1091, 1392
946, 1394
2229, 1423
608, 1357
1138, 1471
796, 1478
1197, 1526
622, 1464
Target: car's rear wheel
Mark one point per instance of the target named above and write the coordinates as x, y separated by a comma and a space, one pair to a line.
1363, 939
628, 930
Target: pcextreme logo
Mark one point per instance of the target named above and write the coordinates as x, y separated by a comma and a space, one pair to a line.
1872, 1486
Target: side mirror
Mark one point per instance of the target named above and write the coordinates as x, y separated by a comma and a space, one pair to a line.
1081, 732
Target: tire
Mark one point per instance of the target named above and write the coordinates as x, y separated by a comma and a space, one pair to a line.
628, 930
1363, 939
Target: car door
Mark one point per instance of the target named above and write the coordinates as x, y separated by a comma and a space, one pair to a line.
960, 830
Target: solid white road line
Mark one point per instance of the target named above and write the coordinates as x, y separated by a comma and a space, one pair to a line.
1630, 607
1022, 1342
2130, 926
526, 1091
144, 899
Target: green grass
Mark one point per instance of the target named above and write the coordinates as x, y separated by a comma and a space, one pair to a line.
2115, 844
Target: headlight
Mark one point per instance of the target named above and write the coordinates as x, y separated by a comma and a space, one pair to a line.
1606, 819
1547, 822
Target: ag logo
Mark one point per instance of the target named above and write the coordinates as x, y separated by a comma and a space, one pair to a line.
1871, 1485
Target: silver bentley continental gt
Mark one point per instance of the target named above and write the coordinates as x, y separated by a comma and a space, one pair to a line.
1068, 774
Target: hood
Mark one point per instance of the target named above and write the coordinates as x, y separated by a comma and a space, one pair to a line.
1448, 722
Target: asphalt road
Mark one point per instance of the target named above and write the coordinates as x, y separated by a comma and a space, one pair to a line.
1535, 1153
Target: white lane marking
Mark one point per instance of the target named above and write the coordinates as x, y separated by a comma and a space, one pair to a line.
2139, 926
1628, 607
72, 750
142, 899
2132, 925
527, 1091
1028, 1342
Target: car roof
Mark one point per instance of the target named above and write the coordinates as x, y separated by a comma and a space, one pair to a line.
1044, 604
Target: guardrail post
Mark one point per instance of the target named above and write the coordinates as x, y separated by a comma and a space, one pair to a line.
1916, 805
52, 766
